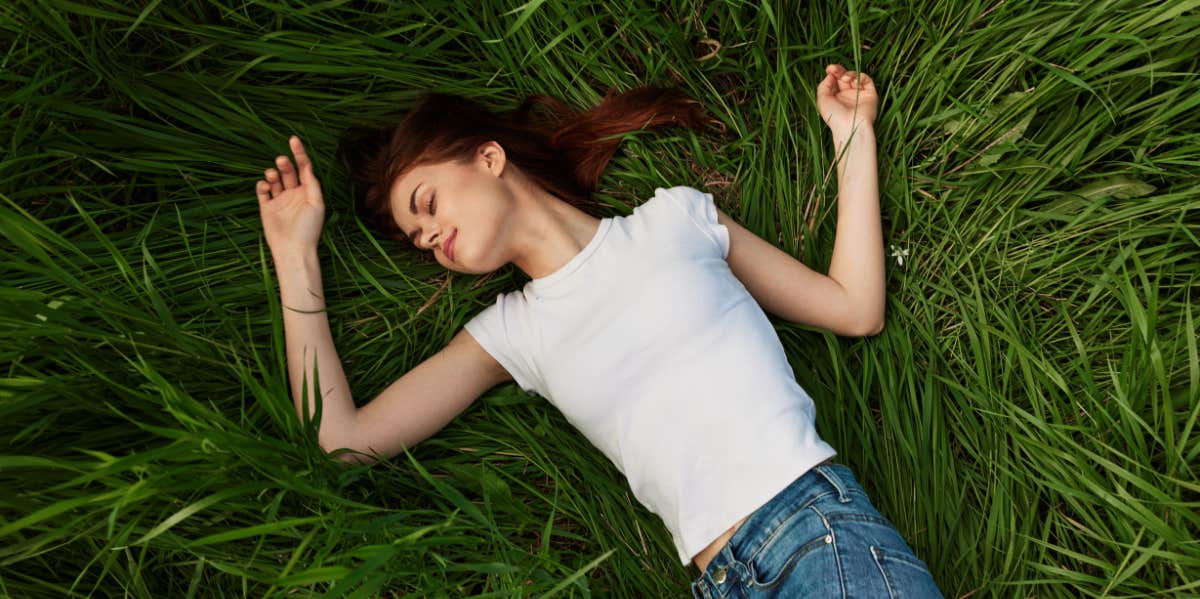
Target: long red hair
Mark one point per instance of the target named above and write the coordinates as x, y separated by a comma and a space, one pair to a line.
565, 152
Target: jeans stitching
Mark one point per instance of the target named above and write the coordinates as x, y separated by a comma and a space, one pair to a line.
767, 542
860, 517
829, 475
837, 558
898, 556
883, 572
799, 553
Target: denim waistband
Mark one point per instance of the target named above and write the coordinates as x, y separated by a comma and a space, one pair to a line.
821, 480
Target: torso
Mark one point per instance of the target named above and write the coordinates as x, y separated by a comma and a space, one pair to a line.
705, 556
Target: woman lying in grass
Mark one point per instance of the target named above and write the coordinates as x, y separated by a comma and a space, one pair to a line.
646, 331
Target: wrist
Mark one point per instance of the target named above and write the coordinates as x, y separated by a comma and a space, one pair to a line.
296, 257
299, 275
864, 133
860, 129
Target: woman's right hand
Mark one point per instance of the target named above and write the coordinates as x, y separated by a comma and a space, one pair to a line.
291, 204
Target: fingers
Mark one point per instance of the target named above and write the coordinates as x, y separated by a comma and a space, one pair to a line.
828, 86
263, 189
854, 80
844, 79
273, 181
287, 171
860, 80
304, 164
287, 176
300, 154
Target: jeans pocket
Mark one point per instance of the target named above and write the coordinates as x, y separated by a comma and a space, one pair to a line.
798, 547
904, 574
772, 567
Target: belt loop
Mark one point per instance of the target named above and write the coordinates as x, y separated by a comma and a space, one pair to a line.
832, 477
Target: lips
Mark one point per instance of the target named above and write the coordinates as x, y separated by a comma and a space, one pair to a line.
449, 249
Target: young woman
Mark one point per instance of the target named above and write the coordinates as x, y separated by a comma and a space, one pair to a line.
647, 331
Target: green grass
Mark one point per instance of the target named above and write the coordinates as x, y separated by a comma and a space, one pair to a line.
1028, 418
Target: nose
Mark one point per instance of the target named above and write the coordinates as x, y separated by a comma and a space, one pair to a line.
429, 239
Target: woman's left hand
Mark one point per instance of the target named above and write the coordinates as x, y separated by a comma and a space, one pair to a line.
837, 95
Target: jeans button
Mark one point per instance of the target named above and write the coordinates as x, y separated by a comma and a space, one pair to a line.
719, 575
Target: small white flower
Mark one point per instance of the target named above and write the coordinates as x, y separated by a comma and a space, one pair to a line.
898, 254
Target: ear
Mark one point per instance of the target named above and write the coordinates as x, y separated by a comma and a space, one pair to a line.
491, 156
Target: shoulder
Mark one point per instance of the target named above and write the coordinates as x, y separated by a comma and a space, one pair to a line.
680, 195
681, 200
693, 210
501, 312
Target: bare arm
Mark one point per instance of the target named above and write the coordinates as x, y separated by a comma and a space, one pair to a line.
850, 299
293, 211
848, 102
857, 263
310, 348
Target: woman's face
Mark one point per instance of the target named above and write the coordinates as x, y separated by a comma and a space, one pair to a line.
468, 204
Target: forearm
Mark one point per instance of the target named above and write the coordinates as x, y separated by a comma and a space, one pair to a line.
857, 263
307, 335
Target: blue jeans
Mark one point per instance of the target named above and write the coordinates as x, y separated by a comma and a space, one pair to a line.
819, 537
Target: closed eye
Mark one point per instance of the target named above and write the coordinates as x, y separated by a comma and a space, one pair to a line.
430, 208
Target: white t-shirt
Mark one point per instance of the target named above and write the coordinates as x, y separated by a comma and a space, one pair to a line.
653, 349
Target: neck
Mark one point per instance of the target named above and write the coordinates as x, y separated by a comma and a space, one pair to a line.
550, 232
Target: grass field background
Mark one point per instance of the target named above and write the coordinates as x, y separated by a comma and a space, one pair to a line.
1028, 418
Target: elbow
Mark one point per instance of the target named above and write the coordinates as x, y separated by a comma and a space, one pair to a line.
867, 327
343, 452
344, 441
876, 329
329, 443
353, 457
873, 323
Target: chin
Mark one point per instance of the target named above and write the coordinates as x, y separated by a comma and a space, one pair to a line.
457, 267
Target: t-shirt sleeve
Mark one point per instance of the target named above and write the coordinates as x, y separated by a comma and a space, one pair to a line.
701, 214
500, 329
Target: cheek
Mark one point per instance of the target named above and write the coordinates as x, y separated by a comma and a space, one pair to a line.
485, 207
485, 241
482, 209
